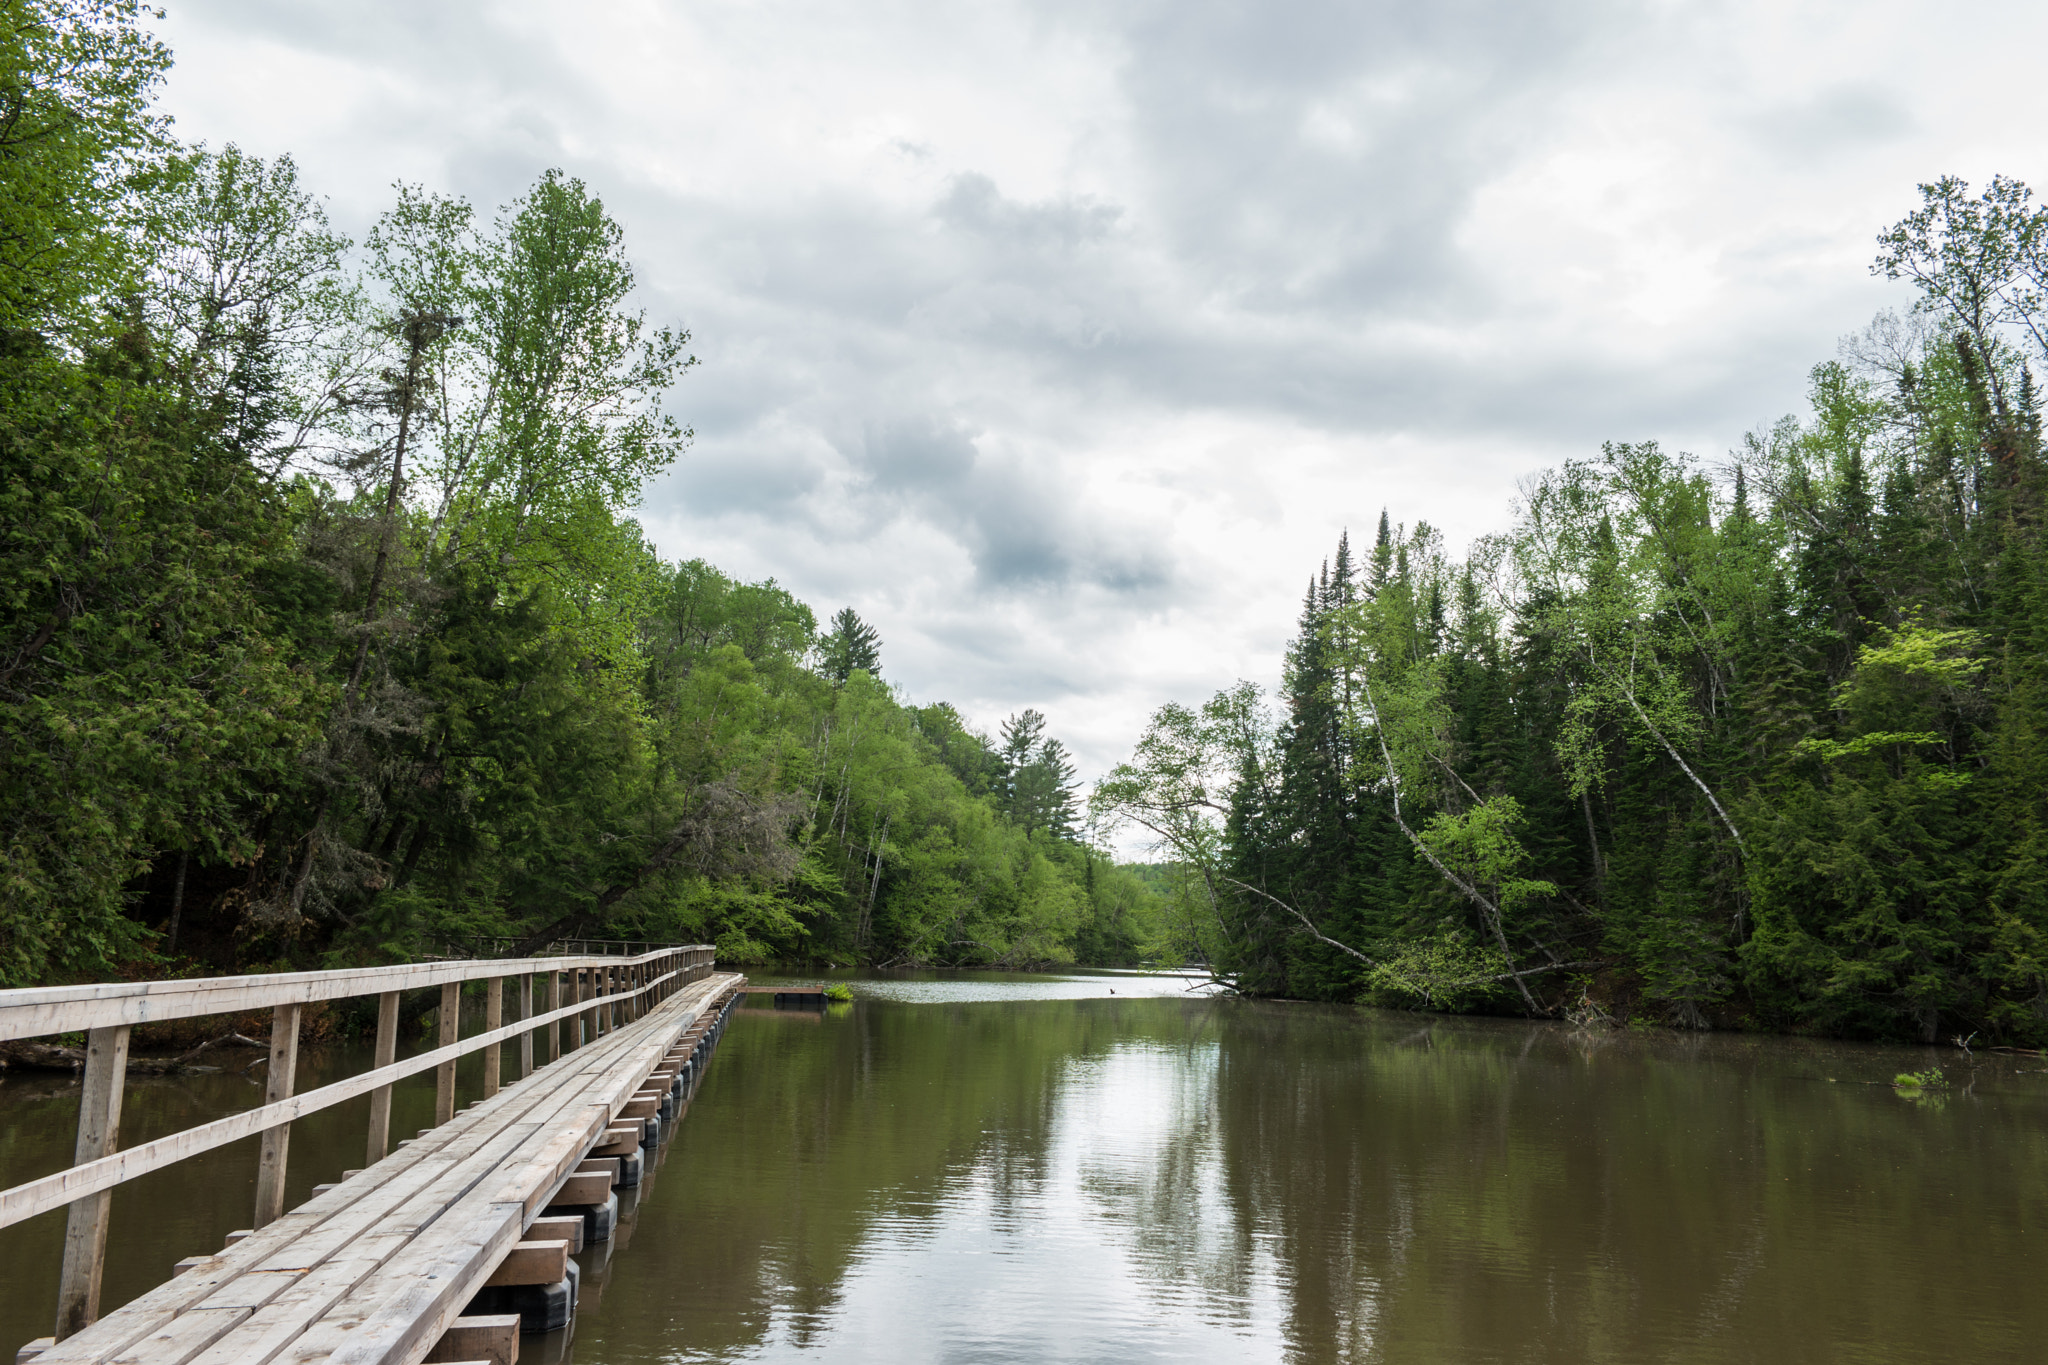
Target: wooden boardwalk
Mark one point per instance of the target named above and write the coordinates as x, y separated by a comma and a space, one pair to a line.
380, 1268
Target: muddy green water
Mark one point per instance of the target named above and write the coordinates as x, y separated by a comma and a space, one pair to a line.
1031, 1169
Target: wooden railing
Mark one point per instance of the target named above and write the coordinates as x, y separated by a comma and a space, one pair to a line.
602, 991
489, 945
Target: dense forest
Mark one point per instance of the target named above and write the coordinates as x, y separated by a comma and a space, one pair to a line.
1756, 743
329, 637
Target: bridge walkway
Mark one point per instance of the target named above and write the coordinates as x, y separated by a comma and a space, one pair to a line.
380, 1268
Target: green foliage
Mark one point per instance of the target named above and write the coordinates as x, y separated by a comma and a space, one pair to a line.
76, 129
1764, 749
852, 644
329, 634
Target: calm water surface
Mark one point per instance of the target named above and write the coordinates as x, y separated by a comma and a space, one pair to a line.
985, 1168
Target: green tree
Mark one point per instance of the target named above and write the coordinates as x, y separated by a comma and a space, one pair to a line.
851, 644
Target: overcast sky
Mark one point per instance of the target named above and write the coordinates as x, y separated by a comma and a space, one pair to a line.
1061, 339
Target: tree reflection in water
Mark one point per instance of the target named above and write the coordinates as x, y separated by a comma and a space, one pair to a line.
1136, 1179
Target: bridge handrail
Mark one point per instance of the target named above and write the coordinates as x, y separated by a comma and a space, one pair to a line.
36, 1011
619, 988
75, 1182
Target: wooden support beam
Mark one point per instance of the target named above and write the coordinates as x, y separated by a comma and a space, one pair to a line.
604, 1166
99, 1133
379, 1145
526, 1038
621, 1140
284, 1065
568, 1230
444, 1074
589, 1188
538, 1262
494, 1019
494, 1338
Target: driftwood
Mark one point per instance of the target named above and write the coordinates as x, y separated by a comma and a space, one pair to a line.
30, 1055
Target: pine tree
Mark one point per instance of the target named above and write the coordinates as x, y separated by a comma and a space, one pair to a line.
851, 644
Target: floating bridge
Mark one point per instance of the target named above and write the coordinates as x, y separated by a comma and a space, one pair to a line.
445, 1247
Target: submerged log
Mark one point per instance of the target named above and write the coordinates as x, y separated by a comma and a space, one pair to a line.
30, 1055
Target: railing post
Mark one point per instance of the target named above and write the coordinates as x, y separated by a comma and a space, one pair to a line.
494, 1018
284, 1064
444, 1074
99, 1133
554, 1002
526, 1012
380, 1098
578, 992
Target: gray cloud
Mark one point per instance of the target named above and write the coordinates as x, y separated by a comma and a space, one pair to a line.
1062, 338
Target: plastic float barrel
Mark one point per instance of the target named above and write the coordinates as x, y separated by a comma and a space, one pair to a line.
598, 1219
541, 1307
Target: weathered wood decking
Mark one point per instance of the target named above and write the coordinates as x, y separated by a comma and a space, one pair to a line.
376, 1269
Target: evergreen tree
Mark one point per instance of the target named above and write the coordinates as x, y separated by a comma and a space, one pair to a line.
851, 644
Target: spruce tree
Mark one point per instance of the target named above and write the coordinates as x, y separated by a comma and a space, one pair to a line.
851, 644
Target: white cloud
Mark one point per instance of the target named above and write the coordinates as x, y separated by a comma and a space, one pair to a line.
1062, 339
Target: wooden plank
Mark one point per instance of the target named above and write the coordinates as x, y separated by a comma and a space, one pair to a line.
183, 1336
493, 1162
330, 1282
593, 1188
99, 1133
392, 1238
430, 1293
568, 1230
280, 1323
250, 1291
34, 1012
533, 1262
493, 1338
284, 1065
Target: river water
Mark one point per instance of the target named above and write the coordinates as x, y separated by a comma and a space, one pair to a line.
1111, 1168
